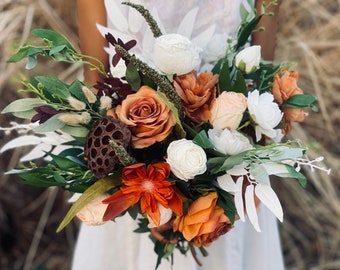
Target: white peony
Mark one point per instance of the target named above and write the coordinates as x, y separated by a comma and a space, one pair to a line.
248, 60
264, 112
186, 159
229, 142
175, 54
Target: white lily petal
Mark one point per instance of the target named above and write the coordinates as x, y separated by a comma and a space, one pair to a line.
227, 183
116, 16
203, 38
238, 170
239, 199
251, 207
188, 22
269, 198
37, 152
25, 140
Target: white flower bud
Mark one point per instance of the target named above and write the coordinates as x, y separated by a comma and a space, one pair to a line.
248, 60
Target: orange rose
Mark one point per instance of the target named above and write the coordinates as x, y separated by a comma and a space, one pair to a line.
197, 94
204, 222
148, 118
285, 85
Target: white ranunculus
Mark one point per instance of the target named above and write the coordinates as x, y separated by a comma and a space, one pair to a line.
186, 159
248, 60
264, 112
229, 142
175, 54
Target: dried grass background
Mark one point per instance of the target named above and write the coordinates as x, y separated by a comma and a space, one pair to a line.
309, 34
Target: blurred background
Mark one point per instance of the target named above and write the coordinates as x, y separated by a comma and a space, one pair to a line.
309, 34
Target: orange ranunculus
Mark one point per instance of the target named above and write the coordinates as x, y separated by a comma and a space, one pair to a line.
204, 223
285, 85
197, 94
148, 185
147, 116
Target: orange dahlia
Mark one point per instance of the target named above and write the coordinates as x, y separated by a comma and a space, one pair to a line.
148, 185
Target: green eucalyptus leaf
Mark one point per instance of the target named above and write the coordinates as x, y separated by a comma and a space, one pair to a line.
99, 187
51, 124
31, 62
240, 85
56, 50
133, 77
54, 86
25, 115
224, 82
246, 31
75, 131
174, 110
259, 172
299, 176
23, 105
76, 90
202, 140
56, 38
58, 178
300, 101
226, 201
287, 153
25, 52
64, 163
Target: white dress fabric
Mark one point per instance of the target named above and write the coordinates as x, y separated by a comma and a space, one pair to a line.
114, 246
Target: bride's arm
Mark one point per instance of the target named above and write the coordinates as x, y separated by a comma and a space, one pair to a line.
267, 38
91, 41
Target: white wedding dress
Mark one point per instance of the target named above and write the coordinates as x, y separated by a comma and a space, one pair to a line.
114, 246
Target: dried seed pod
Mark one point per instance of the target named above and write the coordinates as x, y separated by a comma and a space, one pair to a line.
101, 158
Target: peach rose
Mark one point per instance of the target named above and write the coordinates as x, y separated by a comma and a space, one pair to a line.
227, 110
285, 85
197, 94
92, 213
147, 116
204, 223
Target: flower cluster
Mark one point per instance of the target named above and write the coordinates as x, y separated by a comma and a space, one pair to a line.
170, 144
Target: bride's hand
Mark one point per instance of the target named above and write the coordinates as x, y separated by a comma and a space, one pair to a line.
156, 233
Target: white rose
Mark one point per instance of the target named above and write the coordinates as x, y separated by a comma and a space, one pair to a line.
265, 113
248, 60
186, 159
229, 142
92, 213
175, 54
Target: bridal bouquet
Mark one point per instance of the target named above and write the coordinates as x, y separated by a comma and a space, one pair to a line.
164, 142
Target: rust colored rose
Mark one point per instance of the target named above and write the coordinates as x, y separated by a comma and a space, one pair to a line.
285, 85
204, 222
147, 116
292, 115
197, 93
